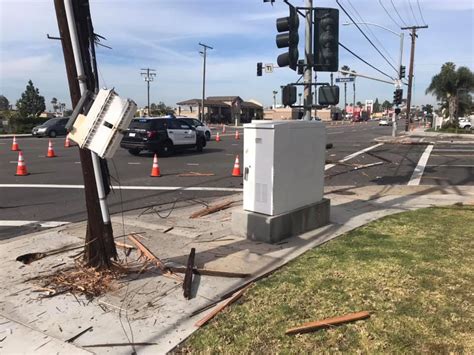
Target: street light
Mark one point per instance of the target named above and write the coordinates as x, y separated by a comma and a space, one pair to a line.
398, 84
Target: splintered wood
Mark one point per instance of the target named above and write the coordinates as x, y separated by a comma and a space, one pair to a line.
211, 209
325, 323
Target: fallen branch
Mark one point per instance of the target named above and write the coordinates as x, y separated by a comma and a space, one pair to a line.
325, 323
207, 272
223, 305
168, 229
211, 209
148, 254
188, 275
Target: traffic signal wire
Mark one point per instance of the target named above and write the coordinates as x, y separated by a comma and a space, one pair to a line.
368, 39
388, 13
363, 60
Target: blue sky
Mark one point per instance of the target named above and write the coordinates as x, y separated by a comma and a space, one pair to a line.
164, 35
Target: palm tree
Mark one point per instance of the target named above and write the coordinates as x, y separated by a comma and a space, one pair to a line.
345, 68
449, 85
54, 102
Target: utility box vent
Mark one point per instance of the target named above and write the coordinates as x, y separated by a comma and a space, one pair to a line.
100, 130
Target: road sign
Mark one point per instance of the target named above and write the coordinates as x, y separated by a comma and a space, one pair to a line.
344, 80
268, 68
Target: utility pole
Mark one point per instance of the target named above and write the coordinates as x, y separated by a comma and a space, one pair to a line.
100, 247
148, 77
308, 51
410, 74
204, 53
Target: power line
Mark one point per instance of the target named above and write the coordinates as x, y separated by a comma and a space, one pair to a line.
421, 12
364, 61
370, 30
368, 39
396, 11
412, 13
388, 13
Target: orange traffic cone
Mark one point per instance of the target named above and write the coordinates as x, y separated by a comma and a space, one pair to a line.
218, 137
155, 170
223, 128
236, 170
237, 136
50, 150
21, 168
15, 146
67, 142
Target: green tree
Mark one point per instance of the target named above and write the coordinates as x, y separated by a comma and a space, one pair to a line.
376, 105
386, 105
452, 87
54, 102
428, 108
4, 103
31, 103
359, 104
160, 109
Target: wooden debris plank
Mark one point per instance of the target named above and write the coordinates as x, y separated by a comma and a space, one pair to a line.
193, 174
188, 275
70, 340
311, 326
148, 253
220, 307
208, 272
211, 209
168, 229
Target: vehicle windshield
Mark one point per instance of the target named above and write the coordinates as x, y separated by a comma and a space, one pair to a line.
51, 122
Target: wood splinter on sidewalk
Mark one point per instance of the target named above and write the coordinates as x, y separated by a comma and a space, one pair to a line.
211, 209
325, 323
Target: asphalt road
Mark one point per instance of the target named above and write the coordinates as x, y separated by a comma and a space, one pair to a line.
447, 164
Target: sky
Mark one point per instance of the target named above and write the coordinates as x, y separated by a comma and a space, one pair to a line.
165, 35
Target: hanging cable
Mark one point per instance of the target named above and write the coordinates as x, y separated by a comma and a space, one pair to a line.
412, 13
388, 13
368, 39
421, 12
396, 11
371, 32
364, 61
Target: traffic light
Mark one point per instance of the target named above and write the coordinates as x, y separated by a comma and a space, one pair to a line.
288, 37
402, 71
397, 111
300, 67
397, 96
288, 95
259, 69
328, 95
326, 39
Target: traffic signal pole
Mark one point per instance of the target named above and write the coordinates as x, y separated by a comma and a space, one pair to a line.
398, 85
308, 51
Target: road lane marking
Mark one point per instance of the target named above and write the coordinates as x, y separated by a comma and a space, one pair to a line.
133, 163
449, 166
455, 150
420, 167
193, 164
353, 155
13, 162
336, 132
44, 224
145, 188
77, 162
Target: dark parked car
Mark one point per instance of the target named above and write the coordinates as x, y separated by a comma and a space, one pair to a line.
51, 128
161, 135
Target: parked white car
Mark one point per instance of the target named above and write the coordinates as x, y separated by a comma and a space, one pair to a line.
200, 126
384, 121
465, 123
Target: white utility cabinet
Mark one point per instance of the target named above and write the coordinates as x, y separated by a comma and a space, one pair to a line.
99, 131
283, 165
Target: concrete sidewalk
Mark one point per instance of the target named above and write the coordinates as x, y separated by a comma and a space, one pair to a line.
420, 136
150, 307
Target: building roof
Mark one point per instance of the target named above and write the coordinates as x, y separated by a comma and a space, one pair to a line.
219, 101
224, 98
207, 102
249, 104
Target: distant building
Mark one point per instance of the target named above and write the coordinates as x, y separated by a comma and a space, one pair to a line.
222, 109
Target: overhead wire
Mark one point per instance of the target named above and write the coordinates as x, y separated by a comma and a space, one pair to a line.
412, 13
421, 12
371, 32
368, 39
400, 17
388, 13
366, 62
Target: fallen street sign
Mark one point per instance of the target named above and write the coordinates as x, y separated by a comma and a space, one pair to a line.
344, 80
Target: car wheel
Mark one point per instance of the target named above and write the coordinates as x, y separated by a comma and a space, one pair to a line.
200, 145
134, 151
52, 133
167, 148
208, 135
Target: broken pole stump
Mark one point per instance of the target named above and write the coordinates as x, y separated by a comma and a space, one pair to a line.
188, 275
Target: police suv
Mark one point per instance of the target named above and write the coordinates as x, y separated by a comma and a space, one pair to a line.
162, 135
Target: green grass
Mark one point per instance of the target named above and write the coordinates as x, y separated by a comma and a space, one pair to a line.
451, 130
413, 270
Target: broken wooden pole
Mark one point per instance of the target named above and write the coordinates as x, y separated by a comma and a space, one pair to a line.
207, 272
325, 323
188, 275
211, 209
